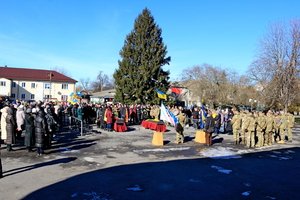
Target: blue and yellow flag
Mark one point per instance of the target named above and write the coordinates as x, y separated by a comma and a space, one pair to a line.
161, 94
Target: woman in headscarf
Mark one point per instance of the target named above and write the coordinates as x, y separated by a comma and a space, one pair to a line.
20, 116
10, 129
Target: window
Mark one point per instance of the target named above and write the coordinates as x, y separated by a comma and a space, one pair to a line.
47, 86
32, 96
2, 83
14, 84
64, 97
23, 84
22, 96
48, 96
33, 85
64, 86
13, 95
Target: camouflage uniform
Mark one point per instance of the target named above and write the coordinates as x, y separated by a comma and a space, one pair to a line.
291, 122
283, 127
250, 134
236, 127
179, 133
245, 124
260, 129
277, 125
269, 136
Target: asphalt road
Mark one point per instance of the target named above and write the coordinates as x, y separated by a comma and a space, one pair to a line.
108, 165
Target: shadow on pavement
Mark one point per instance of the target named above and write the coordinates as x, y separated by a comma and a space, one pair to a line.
262, 175
39, 165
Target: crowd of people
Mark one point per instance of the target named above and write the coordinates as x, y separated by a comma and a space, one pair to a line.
39, 121
250, 128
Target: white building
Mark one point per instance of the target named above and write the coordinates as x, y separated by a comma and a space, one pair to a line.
104, 96
35, 84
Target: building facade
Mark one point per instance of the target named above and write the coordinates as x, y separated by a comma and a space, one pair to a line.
35, 84
106, 96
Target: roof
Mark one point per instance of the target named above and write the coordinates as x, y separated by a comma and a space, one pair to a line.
27, 74
106, 93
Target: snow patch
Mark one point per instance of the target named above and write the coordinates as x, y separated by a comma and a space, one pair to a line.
269, 197
284, 158
194, 180
89, 159
277, 152
162, 150
74, 195
220, 153
90, 195
247, 184
221, 169
289, 151
247, 193
273, 156
135, 188
67, 150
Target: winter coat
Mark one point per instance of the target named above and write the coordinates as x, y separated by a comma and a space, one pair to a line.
20, 116
236, 122
51, 122
40, 129
3, 123
10, 127
29, 130
209, 125
109, 116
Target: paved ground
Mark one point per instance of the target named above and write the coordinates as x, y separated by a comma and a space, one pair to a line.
109, 165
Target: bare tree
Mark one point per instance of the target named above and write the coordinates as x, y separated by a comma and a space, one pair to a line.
101, 82
84, 84
276, 70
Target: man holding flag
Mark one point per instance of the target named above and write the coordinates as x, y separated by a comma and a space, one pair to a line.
168, 116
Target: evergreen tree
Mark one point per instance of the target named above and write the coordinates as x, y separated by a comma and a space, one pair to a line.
140, 68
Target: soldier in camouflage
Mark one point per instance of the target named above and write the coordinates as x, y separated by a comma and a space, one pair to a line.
269, 132
291, 122
283, 127
260, 129
180, 127
277, 125
250, 134
236, 126
245, 124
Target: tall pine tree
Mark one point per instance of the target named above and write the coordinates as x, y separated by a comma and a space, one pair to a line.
140, 68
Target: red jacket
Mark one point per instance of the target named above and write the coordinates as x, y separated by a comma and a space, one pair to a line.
109, 116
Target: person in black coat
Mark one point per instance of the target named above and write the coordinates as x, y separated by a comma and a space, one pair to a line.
10, 129
51, 127
29, 129
209, 127
40, 131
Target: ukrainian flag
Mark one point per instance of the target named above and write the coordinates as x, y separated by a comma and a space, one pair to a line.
161, 94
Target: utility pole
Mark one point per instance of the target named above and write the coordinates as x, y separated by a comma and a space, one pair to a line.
50, 79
